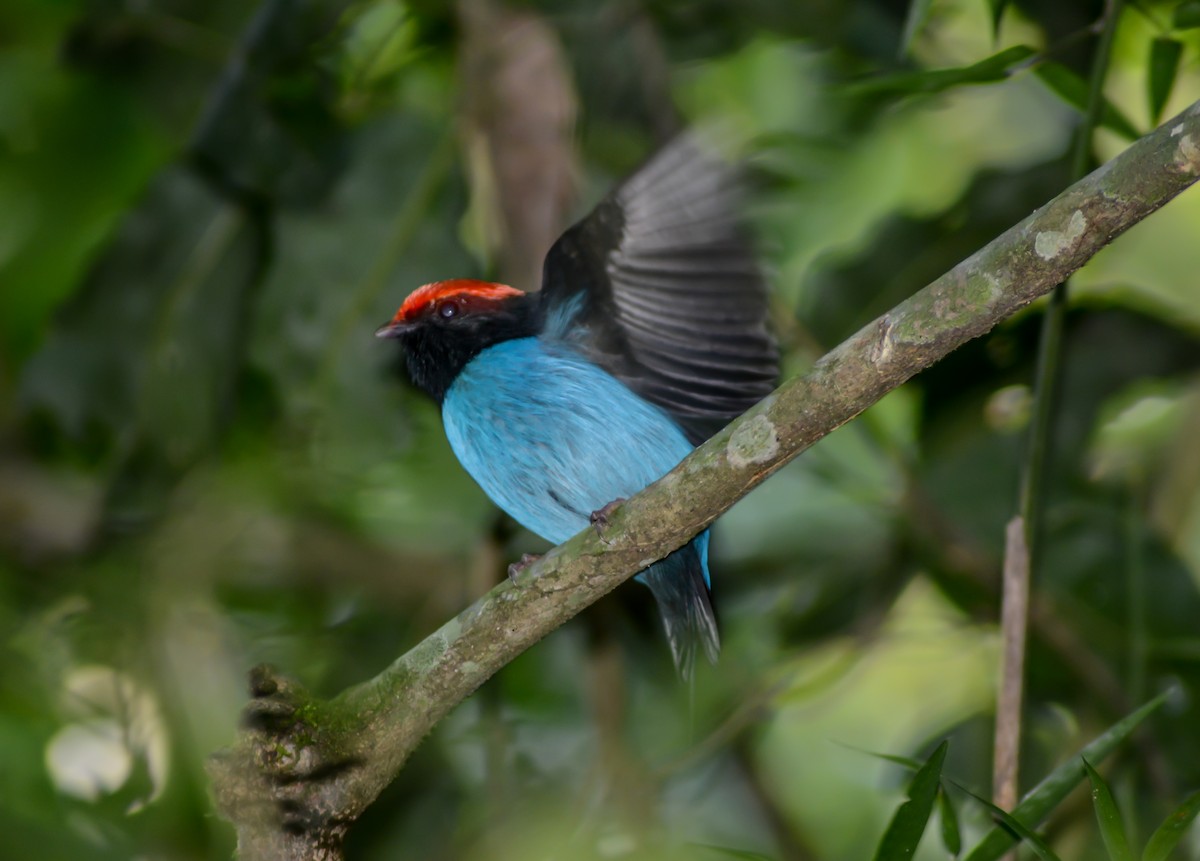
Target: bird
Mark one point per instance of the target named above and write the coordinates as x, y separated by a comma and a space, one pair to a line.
648, 334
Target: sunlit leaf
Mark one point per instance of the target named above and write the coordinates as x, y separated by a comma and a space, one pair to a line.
1073, 90
1164, 65
1135, 429
1044, 797
1172, 830
377, 42
1112, 829
908, 825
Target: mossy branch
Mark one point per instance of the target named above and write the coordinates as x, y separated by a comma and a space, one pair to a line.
304, 769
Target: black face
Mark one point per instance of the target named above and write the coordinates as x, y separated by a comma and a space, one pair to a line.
452, 330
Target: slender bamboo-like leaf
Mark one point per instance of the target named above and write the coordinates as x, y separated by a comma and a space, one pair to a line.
1172, 830
903, 761
908, 825
994, 68
1044, 797
918, 13
1112, 829
951, 833
1187, 15
1073, 90
1016, 827
998, 7
1164, 65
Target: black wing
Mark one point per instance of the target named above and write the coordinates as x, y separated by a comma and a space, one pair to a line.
659, 287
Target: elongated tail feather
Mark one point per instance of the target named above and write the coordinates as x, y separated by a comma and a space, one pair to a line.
681, 591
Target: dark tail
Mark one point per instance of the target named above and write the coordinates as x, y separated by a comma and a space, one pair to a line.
679, 587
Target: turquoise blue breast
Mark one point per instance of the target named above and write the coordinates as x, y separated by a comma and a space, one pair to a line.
550, 437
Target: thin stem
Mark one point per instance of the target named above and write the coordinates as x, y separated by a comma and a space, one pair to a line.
1081, 161
1021, 555
1135, 583
1015, 607
1049, 363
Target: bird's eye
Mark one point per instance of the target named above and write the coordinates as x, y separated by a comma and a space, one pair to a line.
447, 309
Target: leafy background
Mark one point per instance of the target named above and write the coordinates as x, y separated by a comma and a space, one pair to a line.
206, 461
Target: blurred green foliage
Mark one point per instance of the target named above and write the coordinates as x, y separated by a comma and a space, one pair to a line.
206, 461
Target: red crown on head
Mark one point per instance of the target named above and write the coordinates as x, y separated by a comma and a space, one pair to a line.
429, 295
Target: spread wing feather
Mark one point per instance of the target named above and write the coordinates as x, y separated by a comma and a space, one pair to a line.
659, 287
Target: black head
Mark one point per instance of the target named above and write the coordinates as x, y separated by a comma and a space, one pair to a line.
444, 325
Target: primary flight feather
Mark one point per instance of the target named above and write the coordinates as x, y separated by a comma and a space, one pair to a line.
647, 336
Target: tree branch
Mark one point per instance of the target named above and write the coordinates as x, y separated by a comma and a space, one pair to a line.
305, 769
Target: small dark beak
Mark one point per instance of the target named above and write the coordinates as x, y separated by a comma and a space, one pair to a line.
393, 330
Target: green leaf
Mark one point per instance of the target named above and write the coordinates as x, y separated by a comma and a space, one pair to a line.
1016, 826
998, 7
994, 68
1172, 830
918, 13
908, 825
1164, 64
1073, 90
1044, 797
1187, 15
1112, 829
378, 41
951, 833
903, 761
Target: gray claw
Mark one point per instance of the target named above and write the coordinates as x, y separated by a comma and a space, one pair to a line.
600, 518
515, 569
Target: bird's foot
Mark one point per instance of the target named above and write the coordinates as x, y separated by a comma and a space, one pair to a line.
527, 559
600, 518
